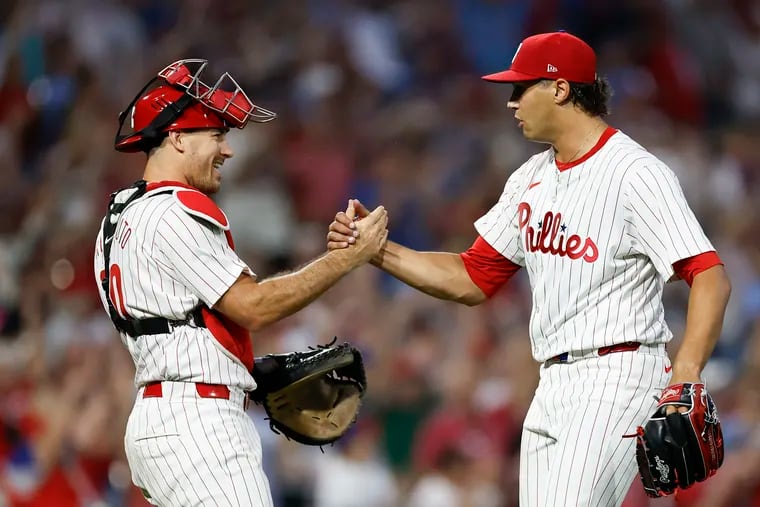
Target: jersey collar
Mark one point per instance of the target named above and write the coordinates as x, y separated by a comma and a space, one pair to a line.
608, 132
153, 185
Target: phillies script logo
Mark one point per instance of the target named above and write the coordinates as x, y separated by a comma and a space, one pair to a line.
550, 236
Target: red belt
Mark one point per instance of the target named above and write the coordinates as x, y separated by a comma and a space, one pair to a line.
602, 351
154, 390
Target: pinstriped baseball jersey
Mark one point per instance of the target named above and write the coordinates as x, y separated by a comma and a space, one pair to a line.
598, 240
164, 261
171, 252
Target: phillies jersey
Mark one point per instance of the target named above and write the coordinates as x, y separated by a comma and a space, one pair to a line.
598, 238
172, 252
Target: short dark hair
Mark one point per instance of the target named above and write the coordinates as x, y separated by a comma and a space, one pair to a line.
593, 98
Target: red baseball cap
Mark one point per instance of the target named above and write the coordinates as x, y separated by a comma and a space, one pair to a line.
554, 55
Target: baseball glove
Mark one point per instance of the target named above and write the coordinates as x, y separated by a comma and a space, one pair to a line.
313, 396
676, 450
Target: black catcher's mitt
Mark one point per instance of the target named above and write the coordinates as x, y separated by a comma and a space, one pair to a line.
679, 449
313, 396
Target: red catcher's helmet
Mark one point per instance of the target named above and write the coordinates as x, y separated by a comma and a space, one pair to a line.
184, 102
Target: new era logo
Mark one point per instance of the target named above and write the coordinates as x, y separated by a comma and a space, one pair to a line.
551, 68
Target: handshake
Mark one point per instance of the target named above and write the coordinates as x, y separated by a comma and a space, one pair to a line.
361, 233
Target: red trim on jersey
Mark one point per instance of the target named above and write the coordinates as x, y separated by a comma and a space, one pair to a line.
608, 132
152, 185
488, 268
231, 336
202, 204
688, 268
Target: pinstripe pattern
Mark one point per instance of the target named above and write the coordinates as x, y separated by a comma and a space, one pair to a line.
189, 451
182, 449
630, 205
572, 451
170, 262
598, 241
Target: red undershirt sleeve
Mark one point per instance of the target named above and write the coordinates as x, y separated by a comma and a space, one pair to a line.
488, 269
688, 268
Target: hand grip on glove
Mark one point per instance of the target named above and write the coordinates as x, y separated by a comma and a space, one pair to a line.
678, 449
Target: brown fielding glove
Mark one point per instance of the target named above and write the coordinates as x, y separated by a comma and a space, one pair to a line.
313, 396
679, 449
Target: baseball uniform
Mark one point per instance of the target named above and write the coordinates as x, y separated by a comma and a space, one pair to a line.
598, 238
189, 440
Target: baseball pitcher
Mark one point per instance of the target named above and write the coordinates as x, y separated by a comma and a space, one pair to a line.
600, 225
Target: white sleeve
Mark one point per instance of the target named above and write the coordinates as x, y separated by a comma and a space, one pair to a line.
499, 227
198, 254
661, 225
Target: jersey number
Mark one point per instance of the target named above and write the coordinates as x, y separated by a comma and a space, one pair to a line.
115, 291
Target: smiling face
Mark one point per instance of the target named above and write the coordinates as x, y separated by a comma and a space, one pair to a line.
534, 105
206, 151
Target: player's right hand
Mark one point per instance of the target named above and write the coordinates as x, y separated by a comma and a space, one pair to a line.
343, 231
373, 234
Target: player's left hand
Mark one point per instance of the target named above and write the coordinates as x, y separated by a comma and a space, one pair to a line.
678, 449
342, 231
311, 396
679, 378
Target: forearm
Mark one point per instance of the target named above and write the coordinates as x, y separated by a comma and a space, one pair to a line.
256, 305
285, 294
439, 274
707, 304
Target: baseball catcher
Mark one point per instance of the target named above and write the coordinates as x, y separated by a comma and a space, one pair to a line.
313, 396
675, 450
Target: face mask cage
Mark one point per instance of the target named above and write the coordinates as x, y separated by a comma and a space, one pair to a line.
225, 96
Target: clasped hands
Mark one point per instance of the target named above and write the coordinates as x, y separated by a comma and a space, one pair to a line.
362, 231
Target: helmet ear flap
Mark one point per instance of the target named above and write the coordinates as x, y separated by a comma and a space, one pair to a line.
120, 139
149, 132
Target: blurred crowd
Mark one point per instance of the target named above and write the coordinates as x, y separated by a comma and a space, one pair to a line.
378, 100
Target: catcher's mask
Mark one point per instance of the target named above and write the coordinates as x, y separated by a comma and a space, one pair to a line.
177, 99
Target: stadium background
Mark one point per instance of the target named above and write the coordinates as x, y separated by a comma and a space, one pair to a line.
380, 100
